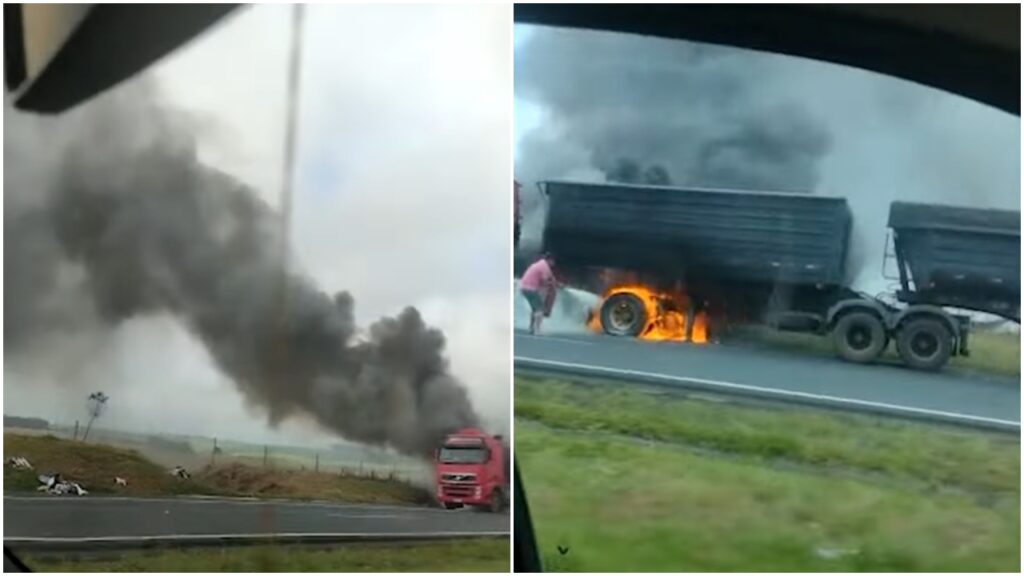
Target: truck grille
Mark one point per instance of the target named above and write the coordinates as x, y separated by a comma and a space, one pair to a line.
451, 477
457, 490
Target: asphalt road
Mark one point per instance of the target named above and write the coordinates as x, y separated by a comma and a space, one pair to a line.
68, 517
988, 401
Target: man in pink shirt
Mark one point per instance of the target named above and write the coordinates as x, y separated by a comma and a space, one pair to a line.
538, 285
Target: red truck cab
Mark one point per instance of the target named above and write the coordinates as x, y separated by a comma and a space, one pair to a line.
471, 469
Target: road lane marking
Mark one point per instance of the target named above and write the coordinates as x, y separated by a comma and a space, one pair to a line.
23, 540
770, 392
556, 338
362, 516
236, 501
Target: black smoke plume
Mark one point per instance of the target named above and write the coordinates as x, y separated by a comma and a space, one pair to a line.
628, 171
122, 199
690, 114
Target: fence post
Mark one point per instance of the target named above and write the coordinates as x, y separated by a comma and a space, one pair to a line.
213, 454
316, 467
264, 455
76, 430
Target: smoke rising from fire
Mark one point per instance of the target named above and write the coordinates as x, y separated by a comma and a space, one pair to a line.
109, 216
683, 112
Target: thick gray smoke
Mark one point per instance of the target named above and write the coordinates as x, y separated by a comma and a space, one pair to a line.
663, 111
108, 215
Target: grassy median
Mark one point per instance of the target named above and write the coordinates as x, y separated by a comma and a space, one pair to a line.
94, 466
478, 555
634, 480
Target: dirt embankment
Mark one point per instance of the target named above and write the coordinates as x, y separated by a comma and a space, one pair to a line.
95, 466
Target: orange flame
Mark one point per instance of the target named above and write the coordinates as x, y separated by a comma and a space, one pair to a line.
666, 314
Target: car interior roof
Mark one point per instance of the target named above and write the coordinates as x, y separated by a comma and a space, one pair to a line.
971, 50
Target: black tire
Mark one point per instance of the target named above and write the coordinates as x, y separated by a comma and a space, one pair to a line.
623, 315
451, 506
859, 337
497, 502
924, 343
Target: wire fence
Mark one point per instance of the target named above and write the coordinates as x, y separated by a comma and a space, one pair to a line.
196, 454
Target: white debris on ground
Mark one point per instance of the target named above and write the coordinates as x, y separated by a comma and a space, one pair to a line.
180, 472
54, 484
118, 481
829, 553
19, 463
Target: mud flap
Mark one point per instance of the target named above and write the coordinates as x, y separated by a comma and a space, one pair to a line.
963, 350
691, 315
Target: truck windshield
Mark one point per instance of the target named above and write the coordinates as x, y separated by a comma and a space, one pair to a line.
463, 455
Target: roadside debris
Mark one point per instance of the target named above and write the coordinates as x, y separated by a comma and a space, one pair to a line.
54, 484
828, 553
180, 472
19, 463
118, 481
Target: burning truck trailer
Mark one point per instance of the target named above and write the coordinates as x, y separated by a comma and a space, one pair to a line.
684, 264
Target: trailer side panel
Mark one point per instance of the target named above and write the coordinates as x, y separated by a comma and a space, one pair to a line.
963, 257
684, 233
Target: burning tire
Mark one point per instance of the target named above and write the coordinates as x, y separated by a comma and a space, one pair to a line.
623, 314
859, 337
924, 343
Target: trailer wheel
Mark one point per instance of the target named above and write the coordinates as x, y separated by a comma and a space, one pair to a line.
859, 337
924, 343
623, 314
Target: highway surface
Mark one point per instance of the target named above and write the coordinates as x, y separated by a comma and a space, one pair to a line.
56, 518
973, 399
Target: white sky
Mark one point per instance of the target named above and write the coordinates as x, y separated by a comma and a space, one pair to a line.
401, 195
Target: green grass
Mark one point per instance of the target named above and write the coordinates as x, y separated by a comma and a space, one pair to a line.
94, 466
991, 352
483, 555
630, 481
844, 442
